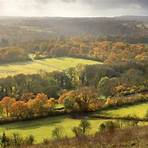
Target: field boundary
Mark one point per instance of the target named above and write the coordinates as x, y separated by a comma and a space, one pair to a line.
119, 118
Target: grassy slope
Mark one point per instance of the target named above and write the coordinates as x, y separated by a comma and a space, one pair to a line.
48, 65
133, 137
43, 128
138, 110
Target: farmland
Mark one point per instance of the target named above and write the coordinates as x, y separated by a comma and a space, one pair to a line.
42, 128
36, 66
139, 110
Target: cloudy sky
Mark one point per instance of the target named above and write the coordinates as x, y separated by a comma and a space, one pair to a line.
73, 8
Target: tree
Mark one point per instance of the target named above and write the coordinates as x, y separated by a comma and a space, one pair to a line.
19, 109
107, 85
1, 110
38, 106
79, 100
6, 103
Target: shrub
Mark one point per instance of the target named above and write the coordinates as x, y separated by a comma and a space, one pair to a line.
46, 141
146, 114
108, 126
16, 139
77, 131
29, 140
84, 126
5, 141
57, 133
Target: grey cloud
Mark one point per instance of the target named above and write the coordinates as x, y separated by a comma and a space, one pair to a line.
49, 1
116, 3
72, 7
69, 1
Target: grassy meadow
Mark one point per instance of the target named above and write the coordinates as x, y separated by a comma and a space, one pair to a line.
48, 65
42, 128
138, 110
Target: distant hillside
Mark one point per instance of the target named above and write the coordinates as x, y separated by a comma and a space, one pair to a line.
22, 29
134, 18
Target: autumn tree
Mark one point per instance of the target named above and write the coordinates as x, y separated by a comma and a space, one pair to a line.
19, 109
6, 103
40, 105
79, 100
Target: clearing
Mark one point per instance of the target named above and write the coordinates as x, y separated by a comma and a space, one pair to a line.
47, 65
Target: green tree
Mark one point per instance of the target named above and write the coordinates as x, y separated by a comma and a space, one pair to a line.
107, 85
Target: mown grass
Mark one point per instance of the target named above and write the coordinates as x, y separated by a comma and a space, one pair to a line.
48, 65
42, 128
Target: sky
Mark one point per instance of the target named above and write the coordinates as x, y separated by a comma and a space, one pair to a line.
73, 8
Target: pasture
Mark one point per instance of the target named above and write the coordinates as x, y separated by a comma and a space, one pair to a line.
36, 66
42, 128
138, 110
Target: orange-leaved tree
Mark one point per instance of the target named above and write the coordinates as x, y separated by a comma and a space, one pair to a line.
6, 104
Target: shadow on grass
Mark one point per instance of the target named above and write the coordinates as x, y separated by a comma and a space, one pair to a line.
25, 125
23, 63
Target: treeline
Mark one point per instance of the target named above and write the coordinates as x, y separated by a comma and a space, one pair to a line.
82, 47
82, 100
39, 105
90, 48
13, 54
108, 80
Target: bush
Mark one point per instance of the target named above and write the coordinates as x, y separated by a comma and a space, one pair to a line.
57, 133
146, 114
84, 126
46, 141
108, 126
16, 140
77, 131
5, 141
29, 140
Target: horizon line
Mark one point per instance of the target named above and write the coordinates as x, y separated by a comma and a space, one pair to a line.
76, 16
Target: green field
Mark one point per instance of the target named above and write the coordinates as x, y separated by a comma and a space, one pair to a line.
48, 65
138, 110
43, 128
